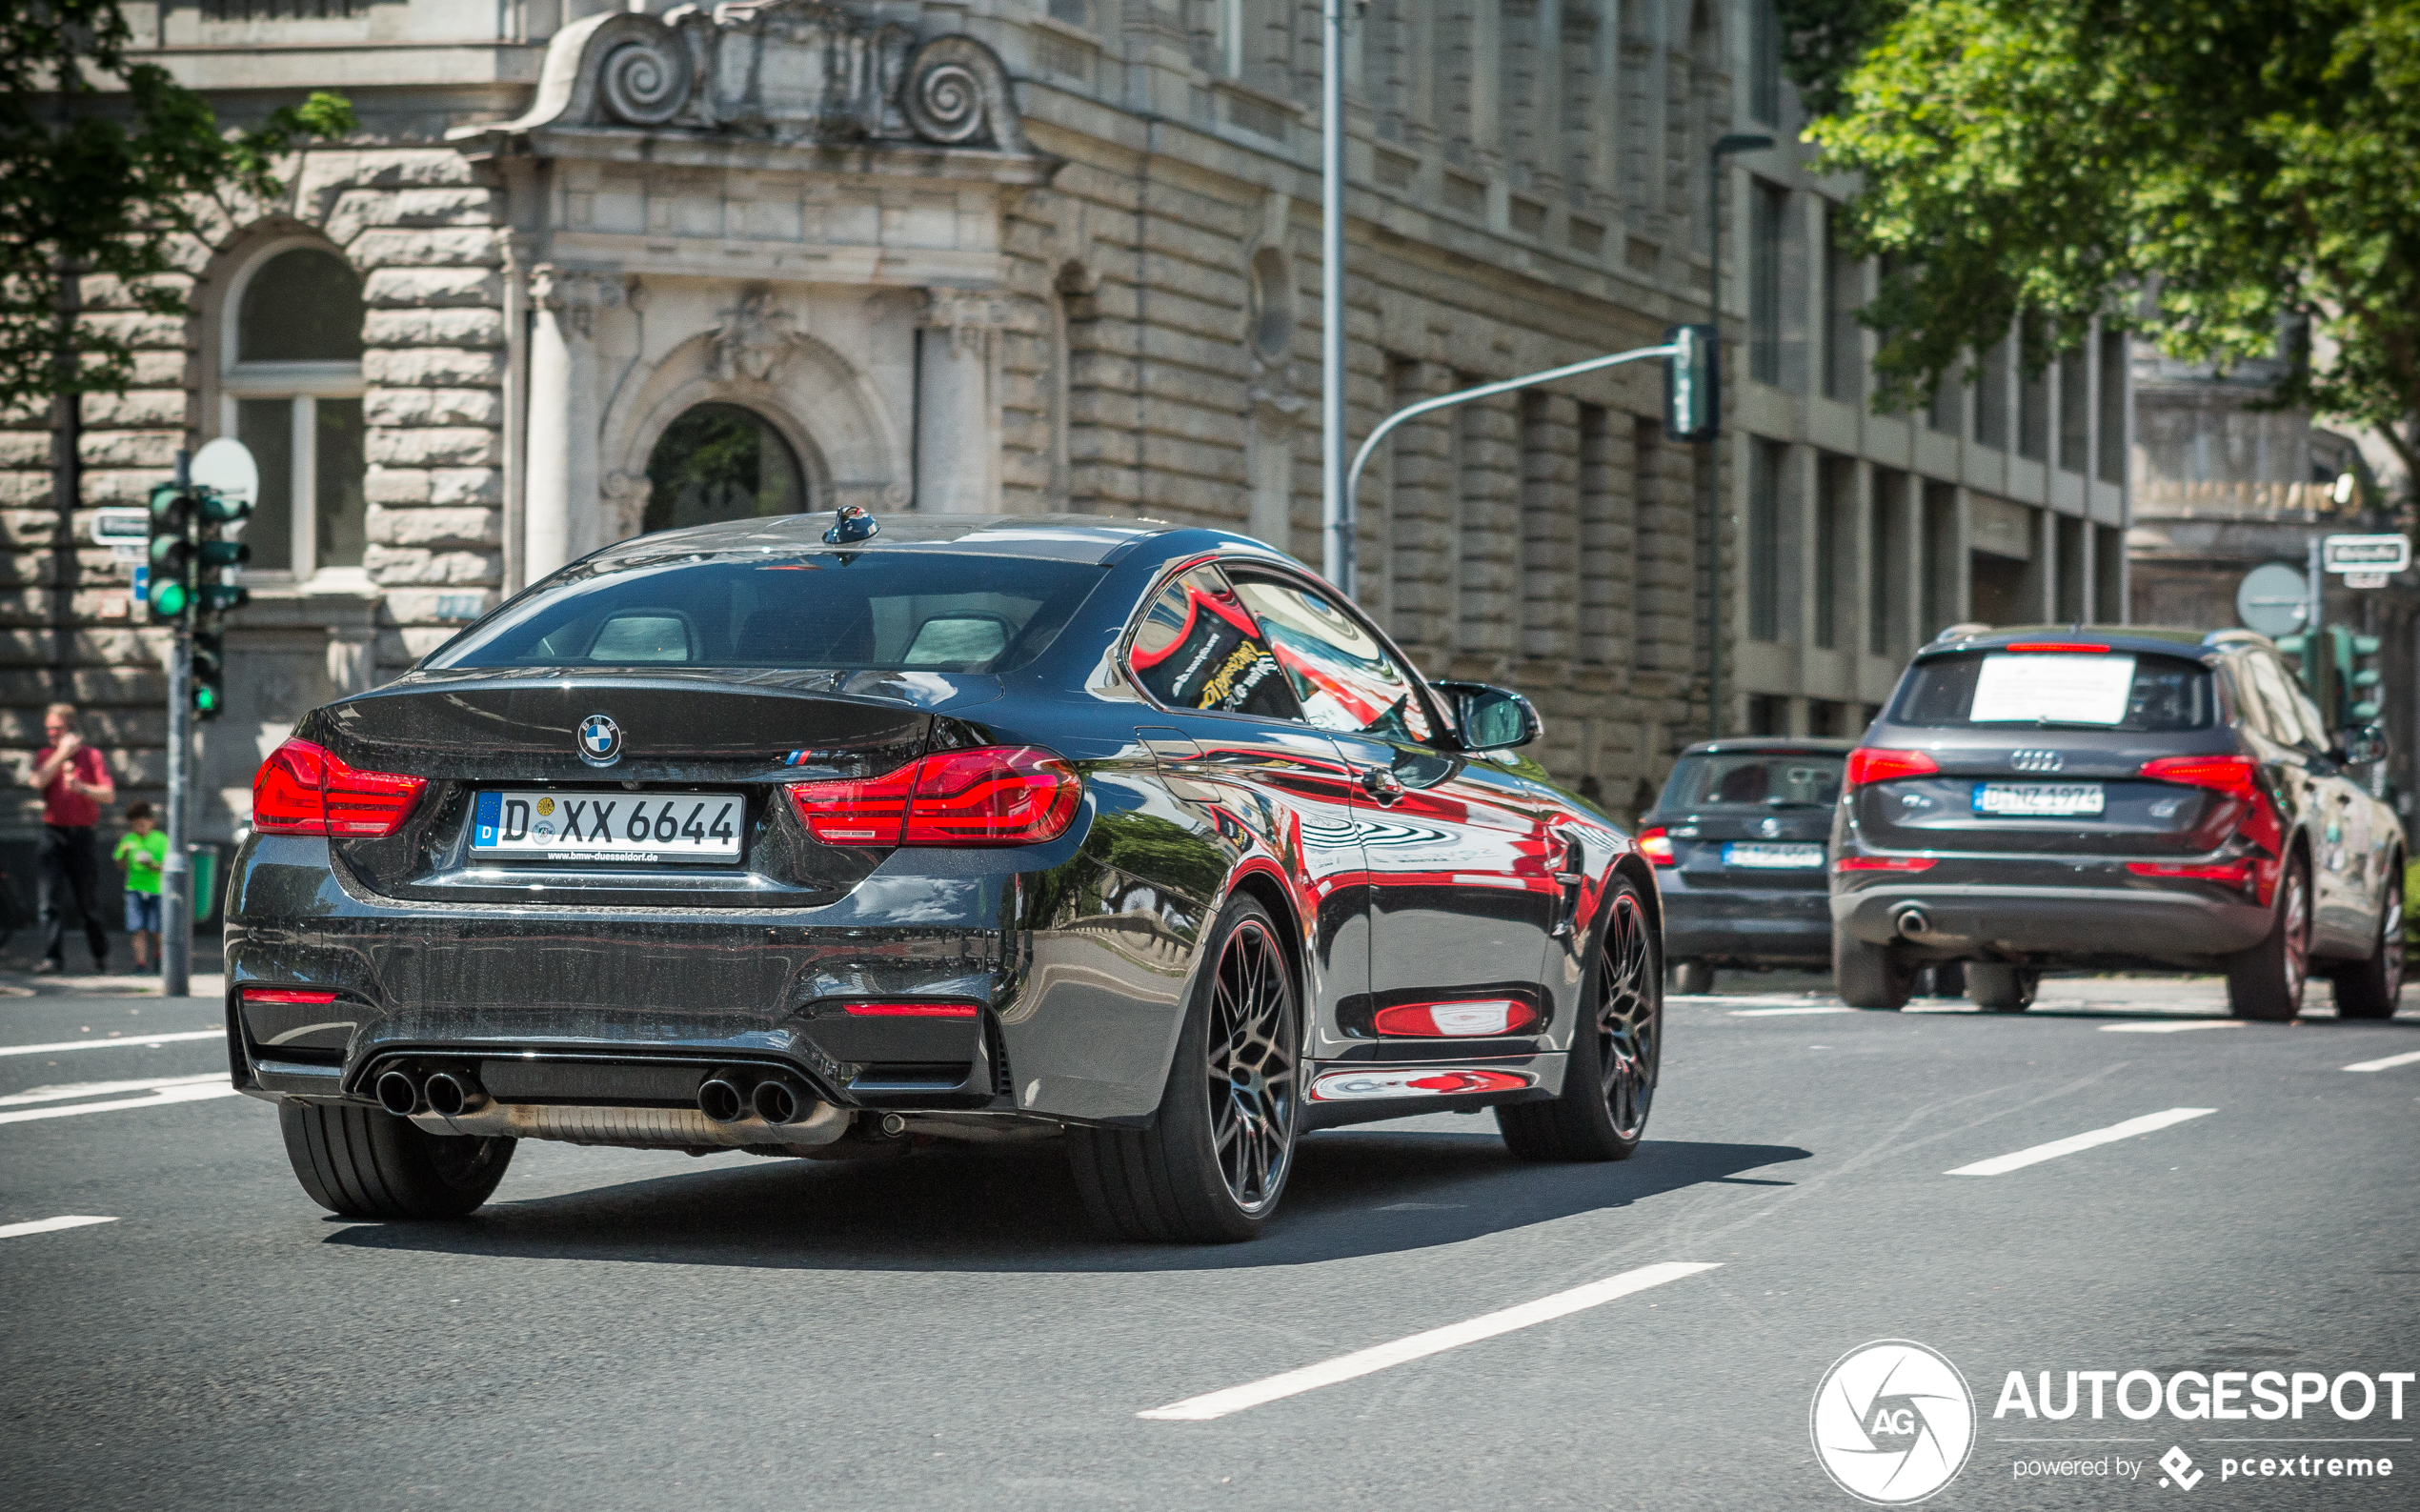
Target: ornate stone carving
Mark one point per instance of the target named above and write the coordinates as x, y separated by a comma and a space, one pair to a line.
755, 338
622, 508
576, 296
800, 71
969, 316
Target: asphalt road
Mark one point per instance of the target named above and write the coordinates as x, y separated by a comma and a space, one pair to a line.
625, 1329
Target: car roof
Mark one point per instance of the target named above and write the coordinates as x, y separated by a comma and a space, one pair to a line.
2161, 639
1066, 537
1804, 745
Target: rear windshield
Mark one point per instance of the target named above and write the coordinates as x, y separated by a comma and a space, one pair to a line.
872, 611
1754, 779
2107, 690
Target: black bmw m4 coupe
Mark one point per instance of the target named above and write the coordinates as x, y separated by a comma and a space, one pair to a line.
834, 843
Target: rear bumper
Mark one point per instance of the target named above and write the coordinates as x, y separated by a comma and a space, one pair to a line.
1744, 926
2137, 923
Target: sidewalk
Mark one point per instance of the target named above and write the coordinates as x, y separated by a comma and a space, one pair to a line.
208, 974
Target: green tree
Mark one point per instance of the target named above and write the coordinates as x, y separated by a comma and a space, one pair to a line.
104, 162
2220, 176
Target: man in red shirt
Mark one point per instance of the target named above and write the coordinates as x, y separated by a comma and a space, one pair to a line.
76, 785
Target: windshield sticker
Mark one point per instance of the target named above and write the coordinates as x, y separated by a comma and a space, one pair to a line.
2053, 690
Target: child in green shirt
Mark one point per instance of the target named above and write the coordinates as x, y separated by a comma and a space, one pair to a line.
140, 855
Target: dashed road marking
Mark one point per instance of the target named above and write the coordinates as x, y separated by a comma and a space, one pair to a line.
1418, 1346
145, 1040
2153, 1028
49, 1225
1999, 1165
218, 1088
2386, 1063
100, 1089
1775, 1012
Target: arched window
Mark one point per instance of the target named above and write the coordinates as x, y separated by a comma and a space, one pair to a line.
721, 462
290, 386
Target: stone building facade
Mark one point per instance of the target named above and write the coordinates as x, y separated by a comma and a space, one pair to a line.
589, 270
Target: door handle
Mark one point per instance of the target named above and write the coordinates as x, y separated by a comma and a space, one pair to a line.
1381, 783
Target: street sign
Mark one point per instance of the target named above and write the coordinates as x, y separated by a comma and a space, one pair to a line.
2365, 579
122, 525
2365, 553
2274, 598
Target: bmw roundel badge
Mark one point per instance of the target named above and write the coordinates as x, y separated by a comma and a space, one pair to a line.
600, 741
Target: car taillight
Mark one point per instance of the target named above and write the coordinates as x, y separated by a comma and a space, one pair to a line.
1656, 847
1873, 764
300, 997
1496, 1016
909, 1010
307, 789
2057, 648
1883, 863
2235, 874
992, 796
2234, 775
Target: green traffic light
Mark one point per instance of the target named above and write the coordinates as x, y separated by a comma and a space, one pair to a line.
170, 598
206, 700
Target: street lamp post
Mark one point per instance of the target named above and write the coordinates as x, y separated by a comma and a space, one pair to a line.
1336, 514
1724, 147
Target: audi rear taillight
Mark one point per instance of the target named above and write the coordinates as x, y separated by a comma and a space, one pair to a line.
2234, 775
1656, 845
1494, 1015
990, 795
2234, 874
1874, 765
307, 789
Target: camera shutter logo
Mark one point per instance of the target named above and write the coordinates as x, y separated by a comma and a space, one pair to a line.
1892, 1422
600, 741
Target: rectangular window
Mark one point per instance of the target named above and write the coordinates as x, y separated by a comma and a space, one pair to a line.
1992, 399
1606, 561
1885, 561
342, 516
1768, 210
1844, 338
1653, 535
1835, 544
2033, 392
2075, 410
2108, 574
2069, 587
2112, 448
1764, 63
1764, 540
267, 429
1940, 558
1948, 412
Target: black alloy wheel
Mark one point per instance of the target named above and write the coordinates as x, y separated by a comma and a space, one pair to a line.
2374, 988
2266, 982
1608, 1082
1871, 975
366, 1163
1214, 1164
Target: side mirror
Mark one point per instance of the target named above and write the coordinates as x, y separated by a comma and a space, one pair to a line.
1491, 718
2367, 744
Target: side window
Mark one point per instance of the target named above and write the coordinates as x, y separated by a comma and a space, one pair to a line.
2285, 705
2250, 700
1199, 649
1344, 676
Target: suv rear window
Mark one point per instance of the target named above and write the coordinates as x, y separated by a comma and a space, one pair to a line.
856, 611
1754, 779
2089, 691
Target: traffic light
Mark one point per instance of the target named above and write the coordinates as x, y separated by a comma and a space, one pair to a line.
214, 596
2360, 683
171, 550
210, 673
1692, 405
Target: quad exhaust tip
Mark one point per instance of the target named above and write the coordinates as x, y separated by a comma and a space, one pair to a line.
777, 1102
450, 1095
721, 1100
399, 1094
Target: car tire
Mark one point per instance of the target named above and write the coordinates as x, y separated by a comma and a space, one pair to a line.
1869, 975
2266, 982
1214, 1163
2372, 988
1609, 1077
2001, 989
1692, 979
366, 1163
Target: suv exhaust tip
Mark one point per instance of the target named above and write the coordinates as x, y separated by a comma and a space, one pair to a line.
399, 1094
1912, 923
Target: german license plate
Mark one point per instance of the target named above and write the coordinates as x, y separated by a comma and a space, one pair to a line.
532, 824
2038, 800
1754, 857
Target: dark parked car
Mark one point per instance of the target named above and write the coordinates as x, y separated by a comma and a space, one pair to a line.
1740, 833
761, 836
2105, 797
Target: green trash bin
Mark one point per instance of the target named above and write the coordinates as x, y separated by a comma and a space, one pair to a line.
205, 865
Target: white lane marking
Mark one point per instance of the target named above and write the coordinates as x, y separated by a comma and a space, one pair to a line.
2171, 1028
1708, 999
2388, 1063
2001, 1164
145, 1040
159, 1098
96, 1089
49, 1225
1435, 1341
1775, 1012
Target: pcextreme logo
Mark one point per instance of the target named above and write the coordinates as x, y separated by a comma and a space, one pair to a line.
1892, 1422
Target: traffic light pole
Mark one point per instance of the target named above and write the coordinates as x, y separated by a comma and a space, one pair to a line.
176, 873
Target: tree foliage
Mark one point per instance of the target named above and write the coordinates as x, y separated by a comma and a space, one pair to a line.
2220, 176
104, 162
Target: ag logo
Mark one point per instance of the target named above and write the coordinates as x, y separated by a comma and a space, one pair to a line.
600, 741
1892, 1423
